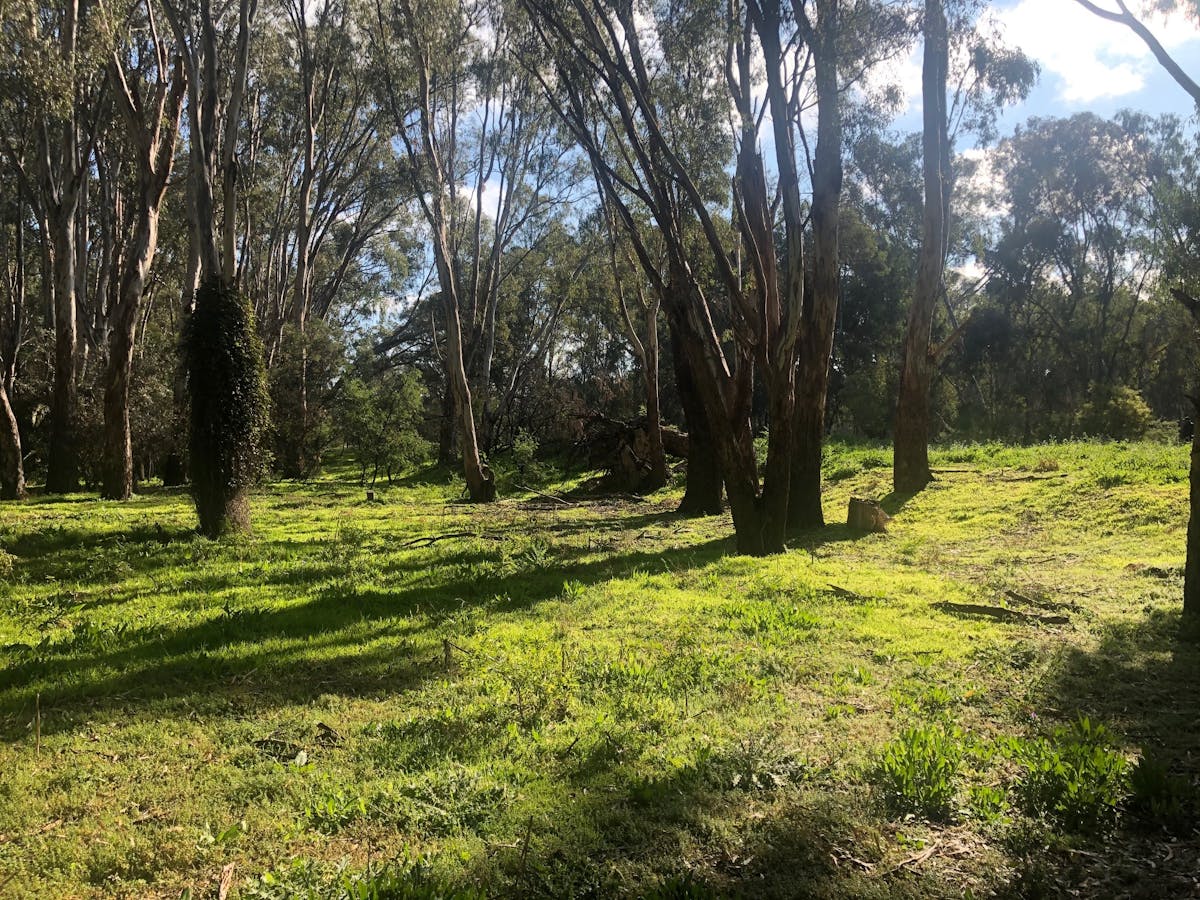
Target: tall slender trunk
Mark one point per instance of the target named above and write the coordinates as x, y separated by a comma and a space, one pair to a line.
704, 488
656, 451
118, 446
911, 441
820, 306
481, 483
62, 474
1191, 569
12, 469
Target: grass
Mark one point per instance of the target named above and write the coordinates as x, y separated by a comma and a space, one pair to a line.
602, 699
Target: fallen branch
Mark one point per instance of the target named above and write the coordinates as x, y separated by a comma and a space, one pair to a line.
545, 496
915, 860
1002, 613
433, 539
846, 593
1036, 477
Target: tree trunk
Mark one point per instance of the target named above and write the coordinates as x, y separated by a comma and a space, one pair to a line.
62, 474
805, 509
910, 471
704, 487
1191, 570
656, 452
481, 483
12, 469
820, 307
117, 472
118, 447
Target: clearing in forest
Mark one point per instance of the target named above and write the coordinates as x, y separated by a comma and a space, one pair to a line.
596, 698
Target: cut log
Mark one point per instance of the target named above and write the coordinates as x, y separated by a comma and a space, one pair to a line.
866, 515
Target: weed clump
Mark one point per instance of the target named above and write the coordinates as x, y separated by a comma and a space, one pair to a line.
918, 772
1073, 778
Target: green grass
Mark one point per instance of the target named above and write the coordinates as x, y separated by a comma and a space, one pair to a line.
416, 697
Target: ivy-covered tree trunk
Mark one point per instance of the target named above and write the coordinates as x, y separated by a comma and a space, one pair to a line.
226, 383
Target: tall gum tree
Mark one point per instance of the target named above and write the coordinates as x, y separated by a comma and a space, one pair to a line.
621, 67
223, 353
149, 89
487, 173
987, 77
52, 78
12, 316
1123, 16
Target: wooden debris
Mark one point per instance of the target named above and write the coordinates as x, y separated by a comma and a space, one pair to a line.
846, 593
544, 496
866, 515
434, 538
1002, 613
225, 882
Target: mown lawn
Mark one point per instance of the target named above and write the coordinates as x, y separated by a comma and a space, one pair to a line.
599, 699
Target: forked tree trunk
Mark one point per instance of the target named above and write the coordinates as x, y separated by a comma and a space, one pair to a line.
911, 471
12, 469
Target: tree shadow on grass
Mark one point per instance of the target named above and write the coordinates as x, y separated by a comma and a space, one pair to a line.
1142, 682
95, 670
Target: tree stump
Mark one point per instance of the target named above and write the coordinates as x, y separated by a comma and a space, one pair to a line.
866, 515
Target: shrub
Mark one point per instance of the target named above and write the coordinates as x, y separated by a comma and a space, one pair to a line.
1160, 799
227, 388
918, 772
1119, 413
379, 417
1074, 778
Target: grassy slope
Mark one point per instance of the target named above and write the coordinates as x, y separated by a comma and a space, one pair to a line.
573, 699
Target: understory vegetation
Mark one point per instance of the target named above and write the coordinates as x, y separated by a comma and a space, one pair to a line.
558, 695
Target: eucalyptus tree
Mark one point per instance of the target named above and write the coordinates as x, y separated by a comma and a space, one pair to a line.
319, 189
222, 349
986, 77
640, 306
641, 74
485, 170
148, 83
12, 320
53, 85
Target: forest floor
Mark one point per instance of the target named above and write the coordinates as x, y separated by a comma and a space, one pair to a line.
415, 697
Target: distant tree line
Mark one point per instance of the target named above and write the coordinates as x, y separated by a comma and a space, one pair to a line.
238, 237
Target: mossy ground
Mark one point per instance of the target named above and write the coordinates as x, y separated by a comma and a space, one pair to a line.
597, 699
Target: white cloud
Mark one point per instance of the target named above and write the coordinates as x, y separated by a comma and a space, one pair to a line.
1092, 58
903, 72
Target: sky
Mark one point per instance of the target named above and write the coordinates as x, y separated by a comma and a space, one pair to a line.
1086, 63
